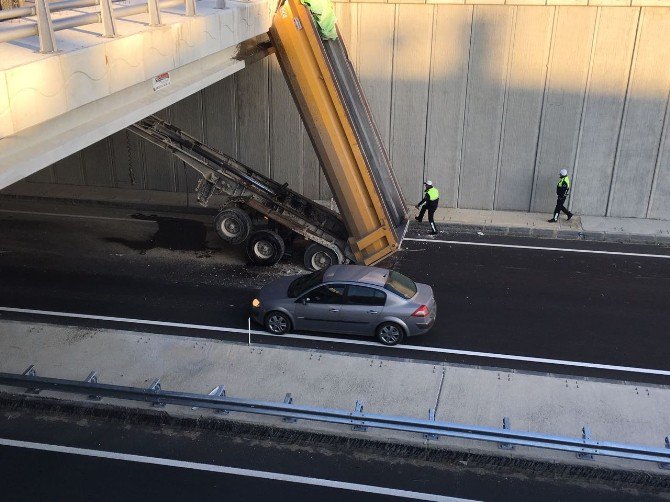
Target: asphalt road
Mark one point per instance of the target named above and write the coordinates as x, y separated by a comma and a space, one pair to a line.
117, 458
595, 308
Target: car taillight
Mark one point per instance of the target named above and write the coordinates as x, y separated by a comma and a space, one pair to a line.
422, 311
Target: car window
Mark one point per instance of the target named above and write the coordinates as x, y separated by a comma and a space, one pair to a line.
305, 282
361, 295
401, 285
328, 293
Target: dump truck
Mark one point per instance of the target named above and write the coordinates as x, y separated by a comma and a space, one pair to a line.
267, 216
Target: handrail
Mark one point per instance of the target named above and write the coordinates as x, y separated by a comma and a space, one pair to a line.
46, 26
584, 447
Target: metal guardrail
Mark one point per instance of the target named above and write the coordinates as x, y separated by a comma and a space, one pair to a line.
585, 447
45, 27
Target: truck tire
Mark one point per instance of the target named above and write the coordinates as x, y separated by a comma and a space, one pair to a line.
265, 248
318, 257
233, 225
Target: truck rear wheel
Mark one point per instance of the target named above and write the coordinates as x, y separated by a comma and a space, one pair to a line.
318, 257
265, 247
233, 225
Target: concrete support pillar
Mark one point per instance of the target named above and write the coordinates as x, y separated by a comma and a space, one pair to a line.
45, 29
190, 7
108, 22
154, 13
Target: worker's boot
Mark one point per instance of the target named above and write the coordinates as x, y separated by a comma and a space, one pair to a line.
554, 219
418, 219
433, 230
570, 215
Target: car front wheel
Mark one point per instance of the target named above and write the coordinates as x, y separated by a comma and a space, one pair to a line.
277, 323
390, 333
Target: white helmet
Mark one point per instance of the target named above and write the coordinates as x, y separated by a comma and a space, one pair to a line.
429, 183
564, 172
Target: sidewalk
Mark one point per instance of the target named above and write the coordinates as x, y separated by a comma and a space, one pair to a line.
614, 411
523, 224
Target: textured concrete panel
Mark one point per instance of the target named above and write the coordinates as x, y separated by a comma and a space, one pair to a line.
411, 68
564, 98
603, 108
659, 206
92, 158
253, 117
446, 99
220, 115
128, 170
523, 107
643, 117
285, 151
159, 164
489, 55
68, 171
374, 62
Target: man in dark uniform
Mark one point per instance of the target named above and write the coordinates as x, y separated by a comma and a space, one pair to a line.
429, 202
562, 192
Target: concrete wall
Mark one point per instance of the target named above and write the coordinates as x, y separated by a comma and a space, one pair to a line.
489, 101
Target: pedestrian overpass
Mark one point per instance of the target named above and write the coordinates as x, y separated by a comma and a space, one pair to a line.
71, 73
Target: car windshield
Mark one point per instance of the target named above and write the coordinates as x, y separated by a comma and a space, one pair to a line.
305, 282
400, 285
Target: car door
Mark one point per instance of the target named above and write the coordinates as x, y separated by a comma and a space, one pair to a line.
319, 308
362, 309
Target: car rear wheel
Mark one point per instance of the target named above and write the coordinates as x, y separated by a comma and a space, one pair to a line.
318, 257
389, 333
233, 225
265, 247
277, 323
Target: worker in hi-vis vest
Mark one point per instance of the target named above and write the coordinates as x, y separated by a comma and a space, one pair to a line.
429, 202
562, 192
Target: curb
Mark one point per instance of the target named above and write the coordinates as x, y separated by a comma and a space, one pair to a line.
563, 234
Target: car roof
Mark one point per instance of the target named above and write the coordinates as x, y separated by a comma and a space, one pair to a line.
374, 276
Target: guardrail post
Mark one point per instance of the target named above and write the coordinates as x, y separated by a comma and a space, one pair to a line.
108, 22
31, 372
93, 378
431, 417
667, 445
507, 424
154, 13
288, 399
45, 30
218, 391
189, 5
358, 412
156, 387
586, 436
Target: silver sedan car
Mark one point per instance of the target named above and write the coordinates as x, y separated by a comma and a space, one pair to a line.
349, 299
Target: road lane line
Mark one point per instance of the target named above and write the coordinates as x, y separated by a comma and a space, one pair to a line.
82, 216
417, 348
235, 471
539, 248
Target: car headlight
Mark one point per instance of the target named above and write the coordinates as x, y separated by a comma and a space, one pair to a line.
255, 303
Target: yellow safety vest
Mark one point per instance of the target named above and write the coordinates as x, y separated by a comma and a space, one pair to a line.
565, 180
433, 193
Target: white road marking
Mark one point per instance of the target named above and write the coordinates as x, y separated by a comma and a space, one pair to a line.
235, 471
83, 216
539, 248
417, 348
